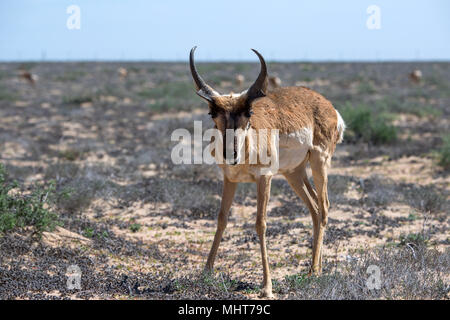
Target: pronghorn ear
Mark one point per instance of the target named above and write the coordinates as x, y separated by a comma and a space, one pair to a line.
248, 112
204, 95
253, 96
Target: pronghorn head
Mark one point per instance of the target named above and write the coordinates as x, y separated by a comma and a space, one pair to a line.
231, 111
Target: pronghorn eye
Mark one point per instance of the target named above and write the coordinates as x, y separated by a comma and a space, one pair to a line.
213, 114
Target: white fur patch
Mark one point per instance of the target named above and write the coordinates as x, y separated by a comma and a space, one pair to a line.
234, 95
293, 148
340, 127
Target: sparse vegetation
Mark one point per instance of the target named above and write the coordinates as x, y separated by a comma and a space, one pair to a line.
71, 76
5, 95
89, 232
407, 274
364, 124
417, 239
366, 87
78, 99
169, 96
396, 105
70, 154
140, 227
135, 227
443, 153
19, 209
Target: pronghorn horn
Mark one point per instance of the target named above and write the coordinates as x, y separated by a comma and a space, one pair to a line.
203, 90
258, 89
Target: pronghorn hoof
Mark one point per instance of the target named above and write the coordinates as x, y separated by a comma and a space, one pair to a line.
208, 271
266, 293
312, 272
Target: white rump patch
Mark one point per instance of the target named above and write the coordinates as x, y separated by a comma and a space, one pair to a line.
340, 127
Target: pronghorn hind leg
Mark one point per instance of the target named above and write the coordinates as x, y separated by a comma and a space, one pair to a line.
319, 162
229, 188
263, 189
298, 180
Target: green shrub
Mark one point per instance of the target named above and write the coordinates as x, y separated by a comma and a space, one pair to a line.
135, 227
78, 99
5, 95
366, 87
19, 210
89, 232
364, 124
444, 153
417, 239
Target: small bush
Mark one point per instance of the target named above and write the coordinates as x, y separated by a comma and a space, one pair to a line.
6, 95
70, 154
366, 87
444, 153
78, 99
89, 232
364, 124
417, 239
19, 210
423, 198
135, 227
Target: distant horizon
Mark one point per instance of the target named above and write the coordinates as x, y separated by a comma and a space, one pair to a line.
223, 61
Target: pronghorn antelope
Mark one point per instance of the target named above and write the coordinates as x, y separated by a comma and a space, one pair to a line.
309, 129
415, 76
274, 82
29, 77
239, 79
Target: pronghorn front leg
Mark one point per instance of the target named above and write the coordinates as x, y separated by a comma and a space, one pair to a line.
263, 189
228, 191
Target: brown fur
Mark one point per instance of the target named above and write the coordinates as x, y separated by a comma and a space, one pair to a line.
287, 109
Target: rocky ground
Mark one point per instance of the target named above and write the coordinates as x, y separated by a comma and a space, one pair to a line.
139, 226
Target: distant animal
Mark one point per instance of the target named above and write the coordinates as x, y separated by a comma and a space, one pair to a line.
239, 79
123, 73
309, 129
415, 76
274, 82
27, 76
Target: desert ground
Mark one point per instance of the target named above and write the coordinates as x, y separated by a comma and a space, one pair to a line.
140, 227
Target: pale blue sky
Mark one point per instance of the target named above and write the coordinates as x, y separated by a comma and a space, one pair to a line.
224, 30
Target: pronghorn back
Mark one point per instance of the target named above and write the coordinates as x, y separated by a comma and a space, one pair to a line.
291, 109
